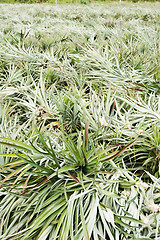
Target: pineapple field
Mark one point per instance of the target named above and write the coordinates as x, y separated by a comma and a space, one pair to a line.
80, 121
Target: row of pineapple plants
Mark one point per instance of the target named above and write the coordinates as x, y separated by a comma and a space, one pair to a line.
79, 122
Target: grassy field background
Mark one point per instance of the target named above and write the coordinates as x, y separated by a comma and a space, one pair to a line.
85, 2
80, 121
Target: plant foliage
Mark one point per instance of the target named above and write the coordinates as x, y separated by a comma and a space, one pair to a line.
79, 122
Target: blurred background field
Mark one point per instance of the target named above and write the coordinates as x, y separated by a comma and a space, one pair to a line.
73, 1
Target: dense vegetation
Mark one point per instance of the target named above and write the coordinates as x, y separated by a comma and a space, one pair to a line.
86, 2
80, 122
